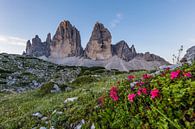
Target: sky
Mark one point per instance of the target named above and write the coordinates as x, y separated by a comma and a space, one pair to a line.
157, 26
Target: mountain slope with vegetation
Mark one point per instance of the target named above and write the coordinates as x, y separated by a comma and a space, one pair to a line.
98, 98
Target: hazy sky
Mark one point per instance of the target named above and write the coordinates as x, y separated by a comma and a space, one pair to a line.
158, 26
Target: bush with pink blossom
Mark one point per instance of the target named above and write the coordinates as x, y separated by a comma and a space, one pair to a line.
163, 101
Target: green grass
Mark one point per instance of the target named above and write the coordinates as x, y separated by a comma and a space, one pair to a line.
16, 109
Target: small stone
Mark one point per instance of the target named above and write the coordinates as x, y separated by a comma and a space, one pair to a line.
52, 127
43, 128
93, 126
44, 118
59, 113
79, 126
10, 78
133, 84
70, 99
37, 114
68, 89
35, 83
55, 89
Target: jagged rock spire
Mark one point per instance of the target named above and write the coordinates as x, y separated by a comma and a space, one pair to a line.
48, 39
66, 41
99, 45
122, 50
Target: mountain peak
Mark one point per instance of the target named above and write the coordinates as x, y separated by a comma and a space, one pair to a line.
99, 45
122, 50
66, 42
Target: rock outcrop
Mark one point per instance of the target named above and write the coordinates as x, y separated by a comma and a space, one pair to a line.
66, 41
122, 50
20, 73
99, 45
37, 47
189, 56
65, 48
151, 57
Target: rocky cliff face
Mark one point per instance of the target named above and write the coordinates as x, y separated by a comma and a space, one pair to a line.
122, 50
66, 41
190, 55
37, 47
99, 45
65, 46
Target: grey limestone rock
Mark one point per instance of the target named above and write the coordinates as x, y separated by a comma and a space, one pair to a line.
99, 45
122, 50
190, 55
66, 41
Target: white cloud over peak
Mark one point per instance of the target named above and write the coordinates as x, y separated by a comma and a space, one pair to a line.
116, 20
12, 40
11, 44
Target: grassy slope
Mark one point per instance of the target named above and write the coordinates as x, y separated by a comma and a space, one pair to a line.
16, 109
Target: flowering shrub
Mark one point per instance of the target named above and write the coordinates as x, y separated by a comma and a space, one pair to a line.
154, 93
163, 101
175, 74
113, 93
131, 97
147, 76
188, 74
130, 77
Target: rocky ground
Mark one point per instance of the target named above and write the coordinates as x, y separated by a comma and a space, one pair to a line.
32, 89
21, 73
61, 97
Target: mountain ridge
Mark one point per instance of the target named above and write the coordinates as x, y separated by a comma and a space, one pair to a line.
66, 43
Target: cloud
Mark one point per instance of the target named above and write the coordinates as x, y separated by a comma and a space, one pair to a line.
117, 20
10, 40
192, 40
11, 44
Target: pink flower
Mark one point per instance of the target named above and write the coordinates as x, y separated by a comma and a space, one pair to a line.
130, 77
142, 90
139, 92
131, 97
175, 74
146, 76
113, 93
154, 93
140, 83
188, 74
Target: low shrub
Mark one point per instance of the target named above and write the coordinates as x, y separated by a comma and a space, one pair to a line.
163, 101
46, 88
85, 79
